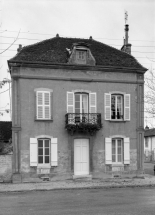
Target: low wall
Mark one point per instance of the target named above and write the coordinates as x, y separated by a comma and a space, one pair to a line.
6, 167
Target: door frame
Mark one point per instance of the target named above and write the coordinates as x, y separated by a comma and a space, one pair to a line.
71, 148
88, 156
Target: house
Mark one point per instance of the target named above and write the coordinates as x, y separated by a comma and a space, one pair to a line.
149, 144
77, 110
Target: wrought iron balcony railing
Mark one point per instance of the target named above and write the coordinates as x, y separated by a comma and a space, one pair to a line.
83, 122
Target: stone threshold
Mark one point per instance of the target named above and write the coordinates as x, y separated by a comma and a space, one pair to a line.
83, 177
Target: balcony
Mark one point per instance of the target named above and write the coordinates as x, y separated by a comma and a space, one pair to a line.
83, 122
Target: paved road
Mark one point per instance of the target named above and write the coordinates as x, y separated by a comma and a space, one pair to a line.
122, 201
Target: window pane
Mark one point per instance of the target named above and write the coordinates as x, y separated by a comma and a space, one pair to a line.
77, 97
113, 158
40, 143
46, 143
113, 111
84, 103
46, 151
47, 159
119, 158
40, 159
40, 151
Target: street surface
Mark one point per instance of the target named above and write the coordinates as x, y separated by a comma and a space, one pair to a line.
116, 201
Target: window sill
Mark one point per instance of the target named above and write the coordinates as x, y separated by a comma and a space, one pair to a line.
117, 164
117, 120
43, 120
43, 166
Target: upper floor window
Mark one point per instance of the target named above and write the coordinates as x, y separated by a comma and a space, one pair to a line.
81, 56
43, 104
117, 106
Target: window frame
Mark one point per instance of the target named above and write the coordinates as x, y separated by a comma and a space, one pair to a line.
116, 106
126, 106
43, 164
116, 151
43, 91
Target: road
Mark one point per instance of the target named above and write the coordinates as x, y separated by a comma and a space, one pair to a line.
120, 201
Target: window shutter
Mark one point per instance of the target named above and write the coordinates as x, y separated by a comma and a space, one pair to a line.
127, 107
47, 111
108, 151
39, 103
51, 104
54, 152
33, 152
70, 102
126, 151
92, 103
107, 106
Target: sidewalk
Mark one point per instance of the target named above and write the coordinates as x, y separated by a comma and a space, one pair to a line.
139, 181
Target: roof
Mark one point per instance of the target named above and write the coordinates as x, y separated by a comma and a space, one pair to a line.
149, 132
5, 130
53, 51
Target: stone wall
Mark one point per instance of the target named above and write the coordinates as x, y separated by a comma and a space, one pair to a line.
6, 167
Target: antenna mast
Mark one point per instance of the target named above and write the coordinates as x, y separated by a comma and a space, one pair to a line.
126, 17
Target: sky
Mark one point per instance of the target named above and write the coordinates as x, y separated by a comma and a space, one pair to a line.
31, 21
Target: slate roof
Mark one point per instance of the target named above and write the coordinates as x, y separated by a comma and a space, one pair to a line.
149, 132
5, 130
53, 51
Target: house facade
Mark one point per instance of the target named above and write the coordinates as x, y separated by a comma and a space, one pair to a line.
77, 110
149, 144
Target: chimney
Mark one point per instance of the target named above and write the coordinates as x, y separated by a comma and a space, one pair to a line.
147, 127
19, 48
126, 47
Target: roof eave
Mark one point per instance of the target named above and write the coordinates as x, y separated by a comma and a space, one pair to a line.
14, 63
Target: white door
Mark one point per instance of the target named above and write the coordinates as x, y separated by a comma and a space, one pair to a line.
81, 156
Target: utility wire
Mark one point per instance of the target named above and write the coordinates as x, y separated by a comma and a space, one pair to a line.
4, 91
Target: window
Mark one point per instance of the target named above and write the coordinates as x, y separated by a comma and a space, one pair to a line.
117, 106
43, 104
117, 150
43, 151
81, 56
80, 104
146, 142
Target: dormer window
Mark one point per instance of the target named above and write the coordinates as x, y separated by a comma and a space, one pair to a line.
81, 54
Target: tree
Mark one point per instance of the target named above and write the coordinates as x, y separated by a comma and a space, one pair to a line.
149, 96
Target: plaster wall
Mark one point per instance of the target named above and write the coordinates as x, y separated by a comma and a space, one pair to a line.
31, 128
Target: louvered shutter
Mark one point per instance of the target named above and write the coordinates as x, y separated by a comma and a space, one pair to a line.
70, 106
108, 151
47, 102
33, 152
92, 103
107, 101
40, 105
126, 151
127, 107
54, 152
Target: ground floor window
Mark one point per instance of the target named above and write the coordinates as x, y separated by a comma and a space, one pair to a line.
43, 151
117, 151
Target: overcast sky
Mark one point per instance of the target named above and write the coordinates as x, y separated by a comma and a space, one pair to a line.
102, 19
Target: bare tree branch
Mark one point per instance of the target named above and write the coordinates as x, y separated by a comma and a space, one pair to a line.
11, 43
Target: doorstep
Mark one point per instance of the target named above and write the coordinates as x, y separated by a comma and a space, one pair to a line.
82, 177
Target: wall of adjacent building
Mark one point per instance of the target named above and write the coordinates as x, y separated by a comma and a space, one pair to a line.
6, 167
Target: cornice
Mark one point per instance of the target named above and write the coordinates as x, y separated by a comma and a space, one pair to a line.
41, 77
75, 67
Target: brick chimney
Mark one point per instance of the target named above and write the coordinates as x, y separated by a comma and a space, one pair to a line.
126, 47
19, 48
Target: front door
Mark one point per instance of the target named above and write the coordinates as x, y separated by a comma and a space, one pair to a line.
81, 157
